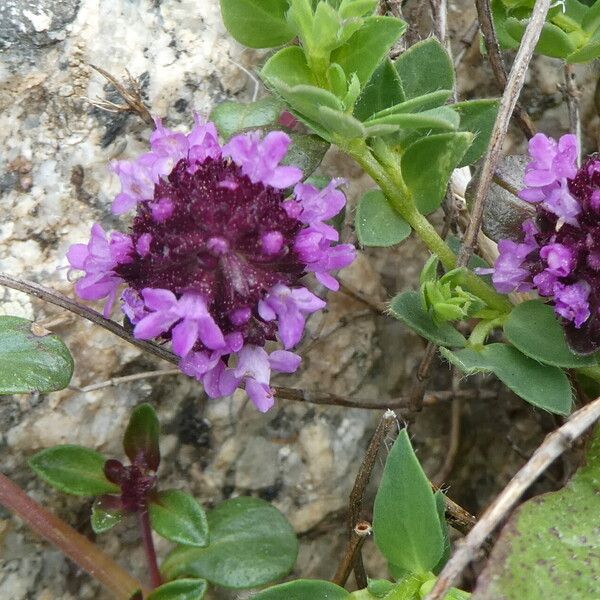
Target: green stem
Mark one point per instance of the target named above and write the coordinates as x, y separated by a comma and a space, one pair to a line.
390, 181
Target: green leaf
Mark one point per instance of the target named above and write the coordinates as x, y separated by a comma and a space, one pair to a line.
179, 518
588, 52
304, 589
383, 90
367, 48
440, 504
417, 104
591, 20
73, 470
436, 118
288, 66
407, 307
550, 548
141, 436
251, 544
180, 589
31, 358
533, 328
103, 517
341, 123
377, 223
425, 67
553, 40
427, 165
406, 526
357, 8
257, 23
499, 17
543, 386
232, 117
478, 117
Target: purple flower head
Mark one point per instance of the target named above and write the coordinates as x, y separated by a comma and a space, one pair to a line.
552, 165
216, 254
560, 254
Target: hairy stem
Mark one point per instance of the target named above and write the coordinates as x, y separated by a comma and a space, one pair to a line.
149, 550
74, 545
391, 184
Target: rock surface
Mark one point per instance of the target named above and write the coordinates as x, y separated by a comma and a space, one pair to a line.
54, 182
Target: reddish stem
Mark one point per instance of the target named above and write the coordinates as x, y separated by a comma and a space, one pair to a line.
146, 533
74, 545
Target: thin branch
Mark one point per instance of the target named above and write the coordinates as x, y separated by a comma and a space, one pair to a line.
495, 58
357, 538
297, 395
439, 16
461, 519
71, 543
514, 85
573, 96
114, 381
553, 446
352, 558
132, 95
416, 397
58, 299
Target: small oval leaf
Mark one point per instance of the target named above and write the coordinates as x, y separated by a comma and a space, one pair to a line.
231, 117
178, 517
31, 358
377, 223
180, 589
73, 470
542, 385
141, 437
251, 544
427, 166
104, 518
425, 67
304, 589
533, 328
257, 23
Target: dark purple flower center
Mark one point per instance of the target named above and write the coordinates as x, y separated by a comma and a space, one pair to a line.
211, 230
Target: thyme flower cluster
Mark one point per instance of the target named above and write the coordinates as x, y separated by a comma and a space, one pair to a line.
559, 254
214, 259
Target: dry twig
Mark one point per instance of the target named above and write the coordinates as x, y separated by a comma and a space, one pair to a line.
114, 381
553, 447
495, 57
439, 16
514, 85
131, 94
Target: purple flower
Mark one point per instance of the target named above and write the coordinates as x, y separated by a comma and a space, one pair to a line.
546, 177
194, 322
259, 160
290, 307
560, 254
571, 302
99, 258
216, 254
